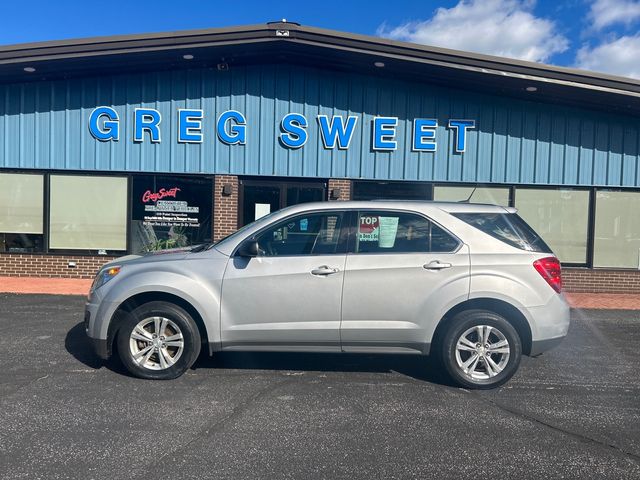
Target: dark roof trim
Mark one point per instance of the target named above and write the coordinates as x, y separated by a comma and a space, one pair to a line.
31, 53
58, 50
476, 62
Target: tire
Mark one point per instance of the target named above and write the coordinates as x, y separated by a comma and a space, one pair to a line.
169, 353
460, 346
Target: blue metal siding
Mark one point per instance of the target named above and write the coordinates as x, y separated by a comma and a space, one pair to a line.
44, 125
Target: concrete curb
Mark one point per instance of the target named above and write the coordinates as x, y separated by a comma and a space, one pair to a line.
54, 286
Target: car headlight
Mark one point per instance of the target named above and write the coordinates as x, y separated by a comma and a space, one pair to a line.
104, 276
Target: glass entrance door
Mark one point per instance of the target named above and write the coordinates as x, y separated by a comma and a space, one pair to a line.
258, 201
260, 197
303, 194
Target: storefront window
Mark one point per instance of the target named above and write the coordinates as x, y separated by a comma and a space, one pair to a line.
495, 196
617, 230
21, 207
170, 212
391, 190
88, 213
560, 217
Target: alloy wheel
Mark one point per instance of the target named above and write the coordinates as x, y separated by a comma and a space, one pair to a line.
156, 343
482, 352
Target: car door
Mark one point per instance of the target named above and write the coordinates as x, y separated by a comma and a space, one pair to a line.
403, 267
289, 296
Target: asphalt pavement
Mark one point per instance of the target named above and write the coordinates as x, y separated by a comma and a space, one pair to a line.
573, 412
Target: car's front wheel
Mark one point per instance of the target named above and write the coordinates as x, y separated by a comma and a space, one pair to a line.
159, 341
480, 349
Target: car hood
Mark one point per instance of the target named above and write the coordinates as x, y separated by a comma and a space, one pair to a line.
163, 256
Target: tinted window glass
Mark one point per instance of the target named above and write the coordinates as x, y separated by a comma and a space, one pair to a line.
441, 241
301, 194
390, 190
170, 212
508, 228
312, 234
395, 232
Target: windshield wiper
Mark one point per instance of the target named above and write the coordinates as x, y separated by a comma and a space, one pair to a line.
201, 248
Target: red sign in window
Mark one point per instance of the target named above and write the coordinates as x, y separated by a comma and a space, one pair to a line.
368, 224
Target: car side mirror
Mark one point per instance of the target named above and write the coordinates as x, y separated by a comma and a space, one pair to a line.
248, 248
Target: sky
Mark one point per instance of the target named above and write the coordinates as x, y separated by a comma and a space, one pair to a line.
599, 35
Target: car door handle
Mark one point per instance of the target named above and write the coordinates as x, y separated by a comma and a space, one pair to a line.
324, 270
436, 265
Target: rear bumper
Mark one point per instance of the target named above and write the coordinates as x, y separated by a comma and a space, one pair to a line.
549, 324
541, 346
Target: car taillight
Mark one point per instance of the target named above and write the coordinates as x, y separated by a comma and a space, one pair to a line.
549, 269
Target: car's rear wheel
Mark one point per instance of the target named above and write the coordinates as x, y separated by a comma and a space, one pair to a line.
480, 349
159, 341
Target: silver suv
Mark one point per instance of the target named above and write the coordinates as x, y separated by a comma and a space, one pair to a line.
473, 285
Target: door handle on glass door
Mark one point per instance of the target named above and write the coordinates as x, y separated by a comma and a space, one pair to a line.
436, 265
324, 270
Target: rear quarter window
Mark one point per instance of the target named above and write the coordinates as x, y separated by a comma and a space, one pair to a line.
508, 228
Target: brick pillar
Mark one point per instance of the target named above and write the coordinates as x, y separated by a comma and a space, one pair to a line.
225, 207
343, 185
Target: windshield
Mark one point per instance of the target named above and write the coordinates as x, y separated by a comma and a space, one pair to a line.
242, 230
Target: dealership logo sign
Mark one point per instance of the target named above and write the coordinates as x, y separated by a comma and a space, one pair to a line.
150, 196
336, 131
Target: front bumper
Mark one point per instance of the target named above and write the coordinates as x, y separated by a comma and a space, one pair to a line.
93, 330
100, 347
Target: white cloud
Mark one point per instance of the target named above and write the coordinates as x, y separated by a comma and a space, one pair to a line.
604, 13
506, 28
620, 56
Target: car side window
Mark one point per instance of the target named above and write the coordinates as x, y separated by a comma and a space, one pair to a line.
400, 232
308, 234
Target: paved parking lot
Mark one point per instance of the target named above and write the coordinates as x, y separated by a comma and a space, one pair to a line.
572, 413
